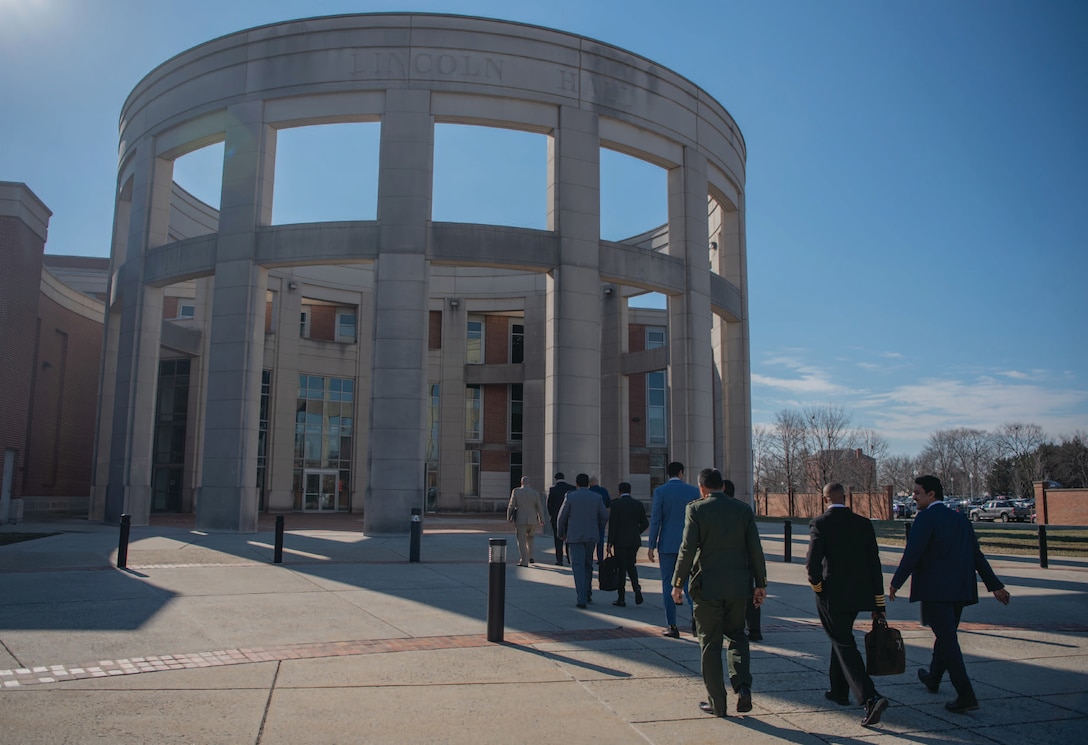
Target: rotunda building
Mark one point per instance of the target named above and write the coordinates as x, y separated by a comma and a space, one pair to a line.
376, 366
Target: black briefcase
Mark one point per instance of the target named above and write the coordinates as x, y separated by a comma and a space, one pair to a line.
608, 574
885, 653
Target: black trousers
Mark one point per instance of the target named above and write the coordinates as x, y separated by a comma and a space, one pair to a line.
626, 557
560, 545
847, 670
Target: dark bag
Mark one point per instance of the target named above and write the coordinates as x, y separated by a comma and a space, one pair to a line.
608, 574
885, 653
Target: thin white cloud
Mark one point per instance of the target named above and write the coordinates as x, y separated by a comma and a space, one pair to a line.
1014, 374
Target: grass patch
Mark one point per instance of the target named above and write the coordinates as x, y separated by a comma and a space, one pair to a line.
9, 538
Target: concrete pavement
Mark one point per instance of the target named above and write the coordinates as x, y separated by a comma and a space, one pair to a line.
202, 639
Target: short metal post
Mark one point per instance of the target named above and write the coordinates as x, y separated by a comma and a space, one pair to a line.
1042, 547
496, 588
415, 534
277, 556
906, 529
788, 542
122, 543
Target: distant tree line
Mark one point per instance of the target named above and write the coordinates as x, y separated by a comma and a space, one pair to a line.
803, 449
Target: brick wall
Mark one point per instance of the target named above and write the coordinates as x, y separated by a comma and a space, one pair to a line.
496, 340
20, 279
1061, 506
61, 434
875, 505
323, 322
434, 330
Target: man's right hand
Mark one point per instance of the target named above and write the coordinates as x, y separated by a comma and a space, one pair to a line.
650, 555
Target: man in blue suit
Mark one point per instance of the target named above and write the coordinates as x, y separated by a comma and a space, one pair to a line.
670, 504
942, 556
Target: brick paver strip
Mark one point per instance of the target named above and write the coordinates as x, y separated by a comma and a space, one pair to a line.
20, 677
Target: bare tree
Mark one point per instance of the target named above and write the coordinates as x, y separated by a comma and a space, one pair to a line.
762, 456
789, 440
1020, 443
898, 471
939, 458
827, 433
973, 452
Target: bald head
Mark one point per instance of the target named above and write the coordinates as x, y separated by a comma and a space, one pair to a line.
835, 493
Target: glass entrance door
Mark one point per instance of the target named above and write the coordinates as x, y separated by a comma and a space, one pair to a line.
319, 490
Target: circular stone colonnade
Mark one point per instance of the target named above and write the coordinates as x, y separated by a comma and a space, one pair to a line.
409, 72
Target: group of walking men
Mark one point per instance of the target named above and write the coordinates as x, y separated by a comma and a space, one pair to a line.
708, 549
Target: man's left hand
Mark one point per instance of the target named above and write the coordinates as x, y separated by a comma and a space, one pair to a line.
759, 596
678, 595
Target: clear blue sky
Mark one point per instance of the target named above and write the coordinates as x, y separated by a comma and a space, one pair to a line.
917, 196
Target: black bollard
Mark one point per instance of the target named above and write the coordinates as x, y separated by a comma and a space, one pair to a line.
787, 544
496, 588
122, 543
1042, 547
906, 529
277, 556
415, 534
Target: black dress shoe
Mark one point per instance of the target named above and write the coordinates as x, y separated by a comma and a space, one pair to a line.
733, 682
841, 700
874, 707
755, 636
962, 704
671, 632
638, 596
620, 603
928, 681
708, 709
744, 699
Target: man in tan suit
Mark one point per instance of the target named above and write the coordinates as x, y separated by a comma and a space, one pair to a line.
526, 501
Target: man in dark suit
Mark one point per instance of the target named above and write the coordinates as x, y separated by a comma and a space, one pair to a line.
579, 523
942, 556
626, 523
556, 494
721, 553
843, 565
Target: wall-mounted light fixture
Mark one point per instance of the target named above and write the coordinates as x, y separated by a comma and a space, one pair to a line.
292, 286
454, 302
607, 290
713, 245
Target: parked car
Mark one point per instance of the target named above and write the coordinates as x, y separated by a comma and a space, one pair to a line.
1003, 510
904, 508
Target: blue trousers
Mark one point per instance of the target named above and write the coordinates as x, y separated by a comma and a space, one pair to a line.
944, 619
581, 566
667, 563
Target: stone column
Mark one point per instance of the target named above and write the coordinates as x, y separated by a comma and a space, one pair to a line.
281, 454
572, 395
691, 401
732, 358
615, 402
532, 443
451, 405
227, 499
138, 325
398, 401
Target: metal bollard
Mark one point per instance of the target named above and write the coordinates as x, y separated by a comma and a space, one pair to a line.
277, 555
496, 588
415, 534
906, 529
1042, 547
122, 543
787, 544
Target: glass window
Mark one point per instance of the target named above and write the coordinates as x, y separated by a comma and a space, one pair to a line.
517, 343
186, 310
656, 408
473, 418
474, 350
345, 326
323, 426
472, 473
655, 337
304, 322
517, 405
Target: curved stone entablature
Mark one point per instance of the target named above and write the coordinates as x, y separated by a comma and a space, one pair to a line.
411, 285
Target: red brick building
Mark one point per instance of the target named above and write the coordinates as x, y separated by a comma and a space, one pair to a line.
50, 347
